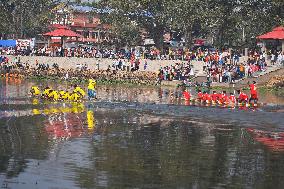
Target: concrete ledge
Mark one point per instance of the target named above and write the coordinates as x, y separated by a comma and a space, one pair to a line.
71, 62
171, 83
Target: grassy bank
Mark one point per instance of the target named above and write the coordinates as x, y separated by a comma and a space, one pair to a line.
279, 91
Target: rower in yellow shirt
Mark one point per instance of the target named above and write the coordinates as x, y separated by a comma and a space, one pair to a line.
65, 96
79, 90
53, 95
91, 89
46, 92
74, 97
35, 91
36, 112
61, 94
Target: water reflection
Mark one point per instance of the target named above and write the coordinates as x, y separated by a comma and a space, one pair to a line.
127, 149
273, 140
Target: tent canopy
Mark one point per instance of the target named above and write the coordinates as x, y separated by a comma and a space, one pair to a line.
62, 31
276, 33
8, 43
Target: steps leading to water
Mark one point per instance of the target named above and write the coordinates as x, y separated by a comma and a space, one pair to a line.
256, 75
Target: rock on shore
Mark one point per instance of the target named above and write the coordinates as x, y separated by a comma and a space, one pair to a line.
276, 81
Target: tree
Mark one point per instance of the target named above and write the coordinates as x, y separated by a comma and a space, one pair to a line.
146, 14
240, 22
227, 21
187, 16
127, 33
5, 17
25, 18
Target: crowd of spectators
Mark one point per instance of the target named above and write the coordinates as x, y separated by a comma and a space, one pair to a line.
112, 53
7, 65
218, 66
229, 68
276, 57
129, 65
222, 66
256, 63
152, 53
179, 71
3, 59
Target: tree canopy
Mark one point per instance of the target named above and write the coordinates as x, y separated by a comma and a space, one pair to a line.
232, 22
25, 18
226, 21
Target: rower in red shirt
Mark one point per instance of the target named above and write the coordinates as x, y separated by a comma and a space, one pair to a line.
224, 98
253, 93
219, 96
199, 96
206, 97
243, 98
214, 97
186, 95
232, 98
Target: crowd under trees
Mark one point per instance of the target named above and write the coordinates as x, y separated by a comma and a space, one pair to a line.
232, 22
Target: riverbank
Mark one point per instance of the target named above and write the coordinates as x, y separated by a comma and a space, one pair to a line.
136, 78
99, 70
126, 78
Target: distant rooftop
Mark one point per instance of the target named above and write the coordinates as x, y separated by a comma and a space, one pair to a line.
81, 8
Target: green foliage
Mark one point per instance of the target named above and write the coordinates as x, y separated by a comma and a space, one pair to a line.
236, 23
142, 14
127, 32
25, 18
227, 21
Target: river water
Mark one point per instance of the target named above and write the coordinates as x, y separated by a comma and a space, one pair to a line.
137, 137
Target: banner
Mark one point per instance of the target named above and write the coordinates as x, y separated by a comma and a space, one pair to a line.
8, 43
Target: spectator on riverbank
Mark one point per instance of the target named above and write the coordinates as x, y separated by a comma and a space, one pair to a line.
218, 67
7, 65
280, 59
152, 53
179, 71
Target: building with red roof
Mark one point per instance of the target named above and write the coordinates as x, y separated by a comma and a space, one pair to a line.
63, 33
83, 22
277, 34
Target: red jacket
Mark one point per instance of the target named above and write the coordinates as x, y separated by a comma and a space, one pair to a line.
215, 97
224, 98
252, 89
243, 96
232, 98
186, 95
200, 96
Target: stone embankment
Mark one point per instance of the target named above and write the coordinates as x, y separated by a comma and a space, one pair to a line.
98, 63
97, 68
